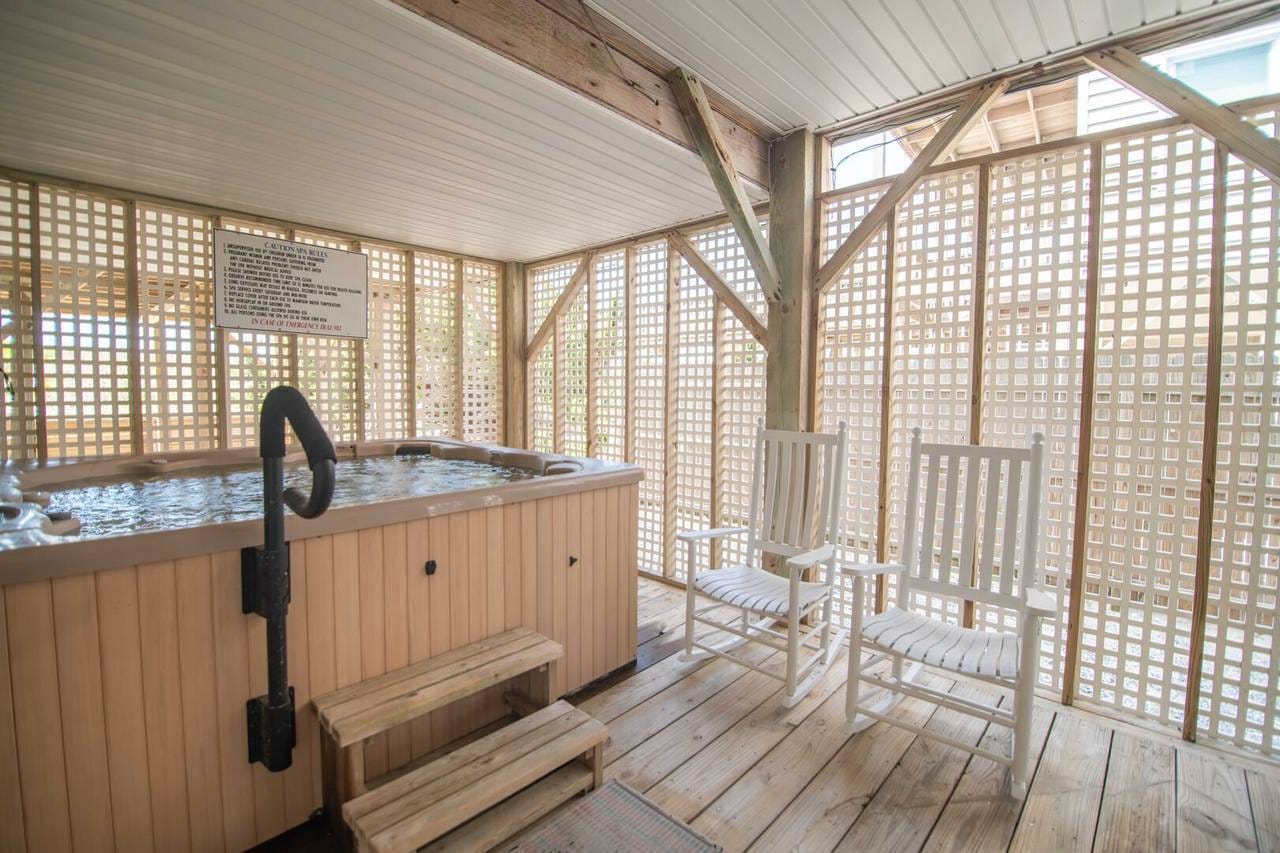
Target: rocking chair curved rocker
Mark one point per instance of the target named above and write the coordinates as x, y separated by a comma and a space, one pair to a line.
797, 493
987, 572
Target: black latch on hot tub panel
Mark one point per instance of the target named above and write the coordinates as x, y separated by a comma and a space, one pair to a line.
264, 570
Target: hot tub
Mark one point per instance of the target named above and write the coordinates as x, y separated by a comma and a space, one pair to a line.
131, 662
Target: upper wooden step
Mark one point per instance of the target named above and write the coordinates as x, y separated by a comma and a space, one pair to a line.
375, 705
426, 803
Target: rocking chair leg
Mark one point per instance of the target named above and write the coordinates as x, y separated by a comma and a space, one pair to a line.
826, 629
793, 646
854, 684
1023, 699
691, 603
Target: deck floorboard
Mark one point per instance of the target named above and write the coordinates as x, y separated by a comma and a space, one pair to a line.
711, 742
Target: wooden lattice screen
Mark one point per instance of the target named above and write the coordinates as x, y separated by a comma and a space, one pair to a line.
111, 348
646, 365
998, 264
481, 352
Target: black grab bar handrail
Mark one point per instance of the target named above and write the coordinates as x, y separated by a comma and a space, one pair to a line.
264, 570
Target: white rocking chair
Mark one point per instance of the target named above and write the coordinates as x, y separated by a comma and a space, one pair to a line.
930, 565
797, 490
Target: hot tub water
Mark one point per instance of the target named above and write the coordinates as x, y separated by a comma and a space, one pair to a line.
166, 501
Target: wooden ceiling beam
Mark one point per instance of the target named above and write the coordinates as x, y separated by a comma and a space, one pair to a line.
624, 42
1239, 136
938, 148
562, 303
570, 52
700, 121
723, 291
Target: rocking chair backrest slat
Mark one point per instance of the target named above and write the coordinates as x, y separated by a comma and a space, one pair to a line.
989, 520
1012, 488
796, 532
969, 535
981, 475
930, 516
796, 490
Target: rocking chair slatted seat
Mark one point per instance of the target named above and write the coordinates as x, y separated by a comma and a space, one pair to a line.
932, 566
797, 490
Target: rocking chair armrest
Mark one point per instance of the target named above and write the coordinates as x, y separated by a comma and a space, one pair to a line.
809, 559
1039, 602
712, 533
869, 570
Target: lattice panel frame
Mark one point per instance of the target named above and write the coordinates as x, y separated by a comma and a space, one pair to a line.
571, 376
1239, 693
177, 337
930, 354
541, 397
435, 343
545, 284
481, 352
85, 319
387, 384
1148, 419
740, 368
695, 390
1034, 313
648, 401
609, 357
255, 362
852, 336
328, 368
19, 403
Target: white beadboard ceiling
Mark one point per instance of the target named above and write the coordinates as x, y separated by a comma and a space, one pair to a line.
821, 62
348, 114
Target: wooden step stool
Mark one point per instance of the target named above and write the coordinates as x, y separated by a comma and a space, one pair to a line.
420, 806
428, 802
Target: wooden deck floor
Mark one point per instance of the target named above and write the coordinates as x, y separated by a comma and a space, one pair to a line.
711, 743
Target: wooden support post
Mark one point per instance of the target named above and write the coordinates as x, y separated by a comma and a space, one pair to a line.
716, 495
886, 420
362, 391
222, 383
821, 183
37, 327
702, 126
1209, 450
590, 426
629, 300
1240, 136
411, 341
669, 414
788, 378
133, 300
970, 111
515, 378
977, 340
1084, 453
291, 339
459, 344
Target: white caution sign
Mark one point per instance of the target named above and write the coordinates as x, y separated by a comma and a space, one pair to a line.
264, 284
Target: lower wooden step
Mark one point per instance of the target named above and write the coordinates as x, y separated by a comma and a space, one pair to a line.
512, 815
429, 802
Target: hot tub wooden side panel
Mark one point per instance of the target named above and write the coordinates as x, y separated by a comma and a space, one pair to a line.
122, 692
